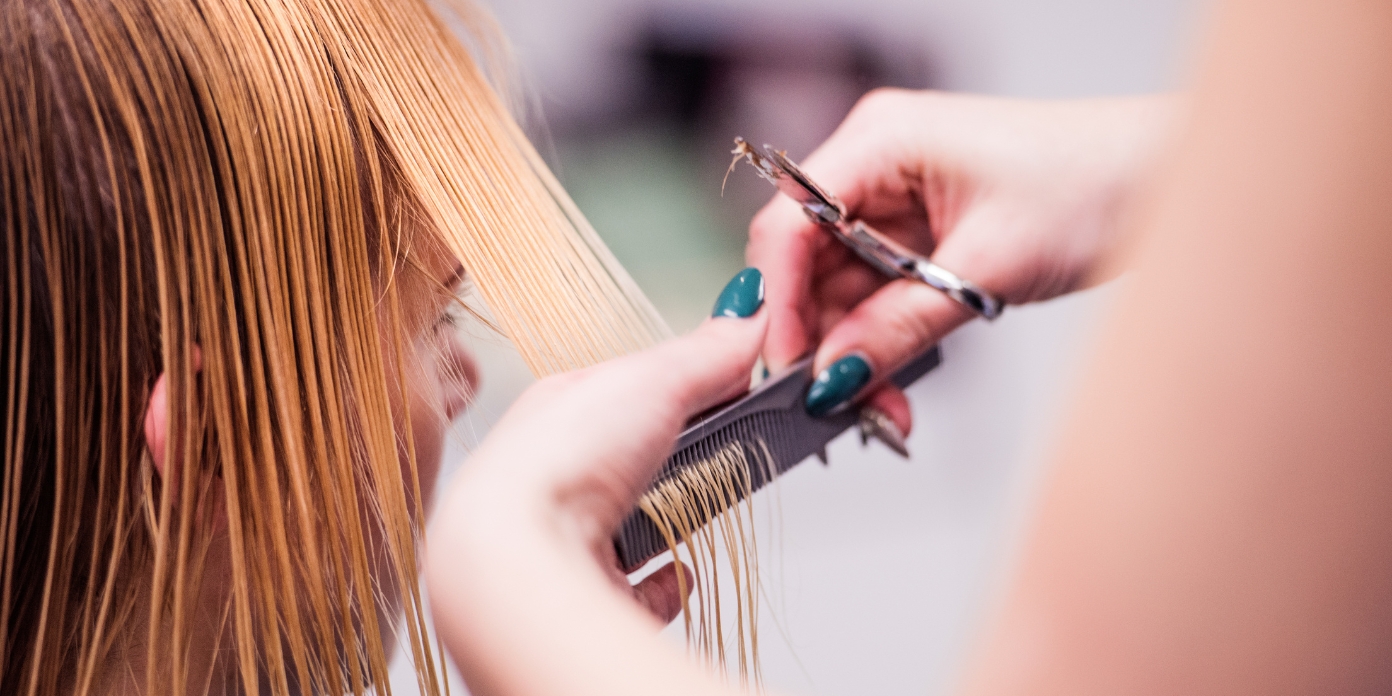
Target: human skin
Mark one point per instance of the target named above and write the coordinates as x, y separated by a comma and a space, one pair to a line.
438, 381
440, 377
958, 178
1216, 518
520, 556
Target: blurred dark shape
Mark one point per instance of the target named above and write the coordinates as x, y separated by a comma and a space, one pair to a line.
684, 83
699, 69
679, 81
785, 77
787, 80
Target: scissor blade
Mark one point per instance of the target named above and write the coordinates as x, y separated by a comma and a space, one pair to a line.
781, 172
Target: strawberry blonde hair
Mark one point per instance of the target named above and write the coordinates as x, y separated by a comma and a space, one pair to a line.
236, 179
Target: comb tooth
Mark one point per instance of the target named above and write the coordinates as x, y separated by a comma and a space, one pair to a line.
761, 471
770, 430
760, 436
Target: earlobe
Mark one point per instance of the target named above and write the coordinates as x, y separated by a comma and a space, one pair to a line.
157, 416
157, 422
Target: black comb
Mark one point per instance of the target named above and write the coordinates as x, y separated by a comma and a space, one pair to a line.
768, 422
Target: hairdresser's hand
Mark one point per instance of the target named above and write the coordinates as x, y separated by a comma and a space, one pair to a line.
521, 566
1019, 197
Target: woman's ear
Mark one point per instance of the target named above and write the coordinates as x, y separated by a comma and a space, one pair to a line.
157, 417
157, 422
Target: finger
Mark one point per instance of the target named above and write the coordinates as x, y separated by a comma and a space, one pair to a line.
872, 161
662, 592
634, 405
783, 243
862, 161
711, 364
898, 322
838, 291
890, 400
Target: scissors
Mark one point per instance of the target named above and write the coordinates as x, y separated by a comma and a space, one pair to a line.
770, 425
887, 256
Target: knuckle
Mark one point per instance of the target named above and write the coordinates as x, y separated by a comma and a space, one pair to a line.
907, 325
879, 100
762, 226
914, 318
774, 222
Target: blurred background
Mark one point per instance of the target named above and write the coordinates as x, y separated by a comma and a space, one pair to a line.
879, 572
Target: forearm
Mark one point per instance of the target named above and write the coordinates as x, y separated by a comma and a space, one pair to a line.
1218, 518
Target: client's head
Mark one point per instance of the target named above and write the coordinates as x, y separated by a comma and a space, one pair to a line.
226, 355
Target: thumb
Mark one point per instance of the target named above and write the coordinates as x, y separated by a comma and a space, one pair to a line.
713, 363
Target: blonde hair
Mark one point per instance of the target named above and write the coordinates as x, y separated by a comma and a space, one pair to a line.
246, 176
705, 508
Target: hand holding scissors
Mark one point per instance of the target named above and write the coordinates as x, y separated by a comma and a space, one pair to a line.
971, 202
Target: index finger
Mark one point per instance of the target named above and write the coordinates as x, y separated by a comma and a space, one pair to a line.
858, 162
784, 243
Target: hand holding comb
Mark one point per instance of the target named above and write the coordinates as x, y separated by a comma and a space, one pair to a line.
771, 432
768, 431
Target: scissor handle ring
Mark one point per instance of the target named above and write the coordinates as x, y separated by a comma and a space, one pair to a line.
893, 259
960, 289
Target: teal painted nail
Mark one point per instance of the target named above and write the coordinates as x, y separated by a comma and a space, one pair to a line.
837, 384
742, 296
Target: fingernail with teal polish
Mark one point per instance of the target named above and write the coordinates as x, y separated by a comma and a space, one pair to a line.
742, 296
837, 384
